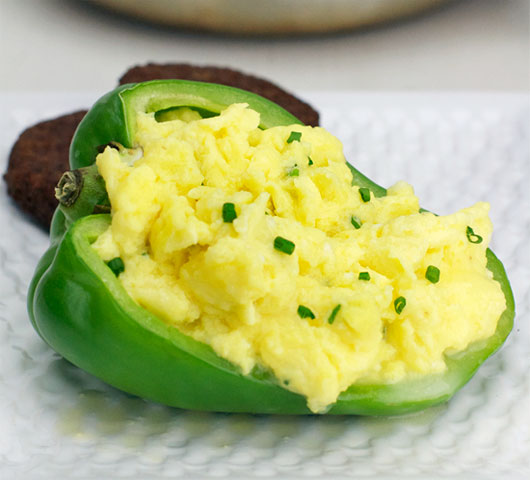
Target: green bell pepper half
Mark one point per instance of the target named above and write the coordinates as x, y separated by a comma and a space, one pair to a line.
79, 307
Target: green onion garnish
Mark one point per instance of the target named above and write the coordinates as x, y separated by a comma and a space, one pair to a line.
294, 172
364, 276
294, 137
229, 212
334, 312
310, 161
399, 304
356, 222
432, 274
284, 245
305, 312
116, 265
365, 194
472, 236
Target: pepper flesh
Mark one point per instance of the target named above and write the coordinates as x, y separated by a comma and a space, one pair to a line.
81, 310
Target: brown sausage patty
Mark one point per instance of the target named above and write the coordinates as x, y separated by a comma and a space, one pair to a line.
36, 162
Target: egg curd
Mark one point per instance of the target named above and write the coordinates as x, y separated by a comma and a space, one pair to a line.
256, 243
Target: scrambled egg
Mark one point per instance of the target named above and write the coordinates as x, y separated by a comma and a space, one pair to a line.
255, 242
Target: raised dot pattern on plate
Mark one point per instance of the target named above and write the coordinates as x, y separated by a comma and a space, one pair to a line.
59, 422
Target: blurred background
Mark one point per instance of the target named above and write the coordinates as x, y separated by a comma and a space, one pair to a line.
74, 45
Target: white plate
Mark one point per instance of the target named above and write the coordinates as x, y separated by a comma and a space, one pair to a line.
59, 422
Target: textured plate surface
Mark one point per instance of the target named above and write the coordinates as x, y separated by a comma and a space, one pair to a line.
59, 422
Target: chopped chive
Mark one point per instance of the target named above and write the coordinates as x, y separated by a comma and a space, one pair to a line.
364, 276
334, 312
310, 162
472, 236
399, 304
356, 222
304, 312
432, 274
116, 265
294, 137
284, 245
229, 212
294, 172
384, 331
365, 194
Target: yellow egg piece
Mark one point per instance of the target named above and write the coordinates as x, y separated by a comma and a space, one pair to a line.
256, 243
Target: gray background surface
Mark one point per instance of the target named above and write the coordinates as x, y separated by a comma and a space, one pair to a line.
68, 45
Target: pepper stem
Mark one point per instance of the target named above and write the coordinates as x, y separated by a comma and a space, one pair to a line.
68, 188
82, 192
